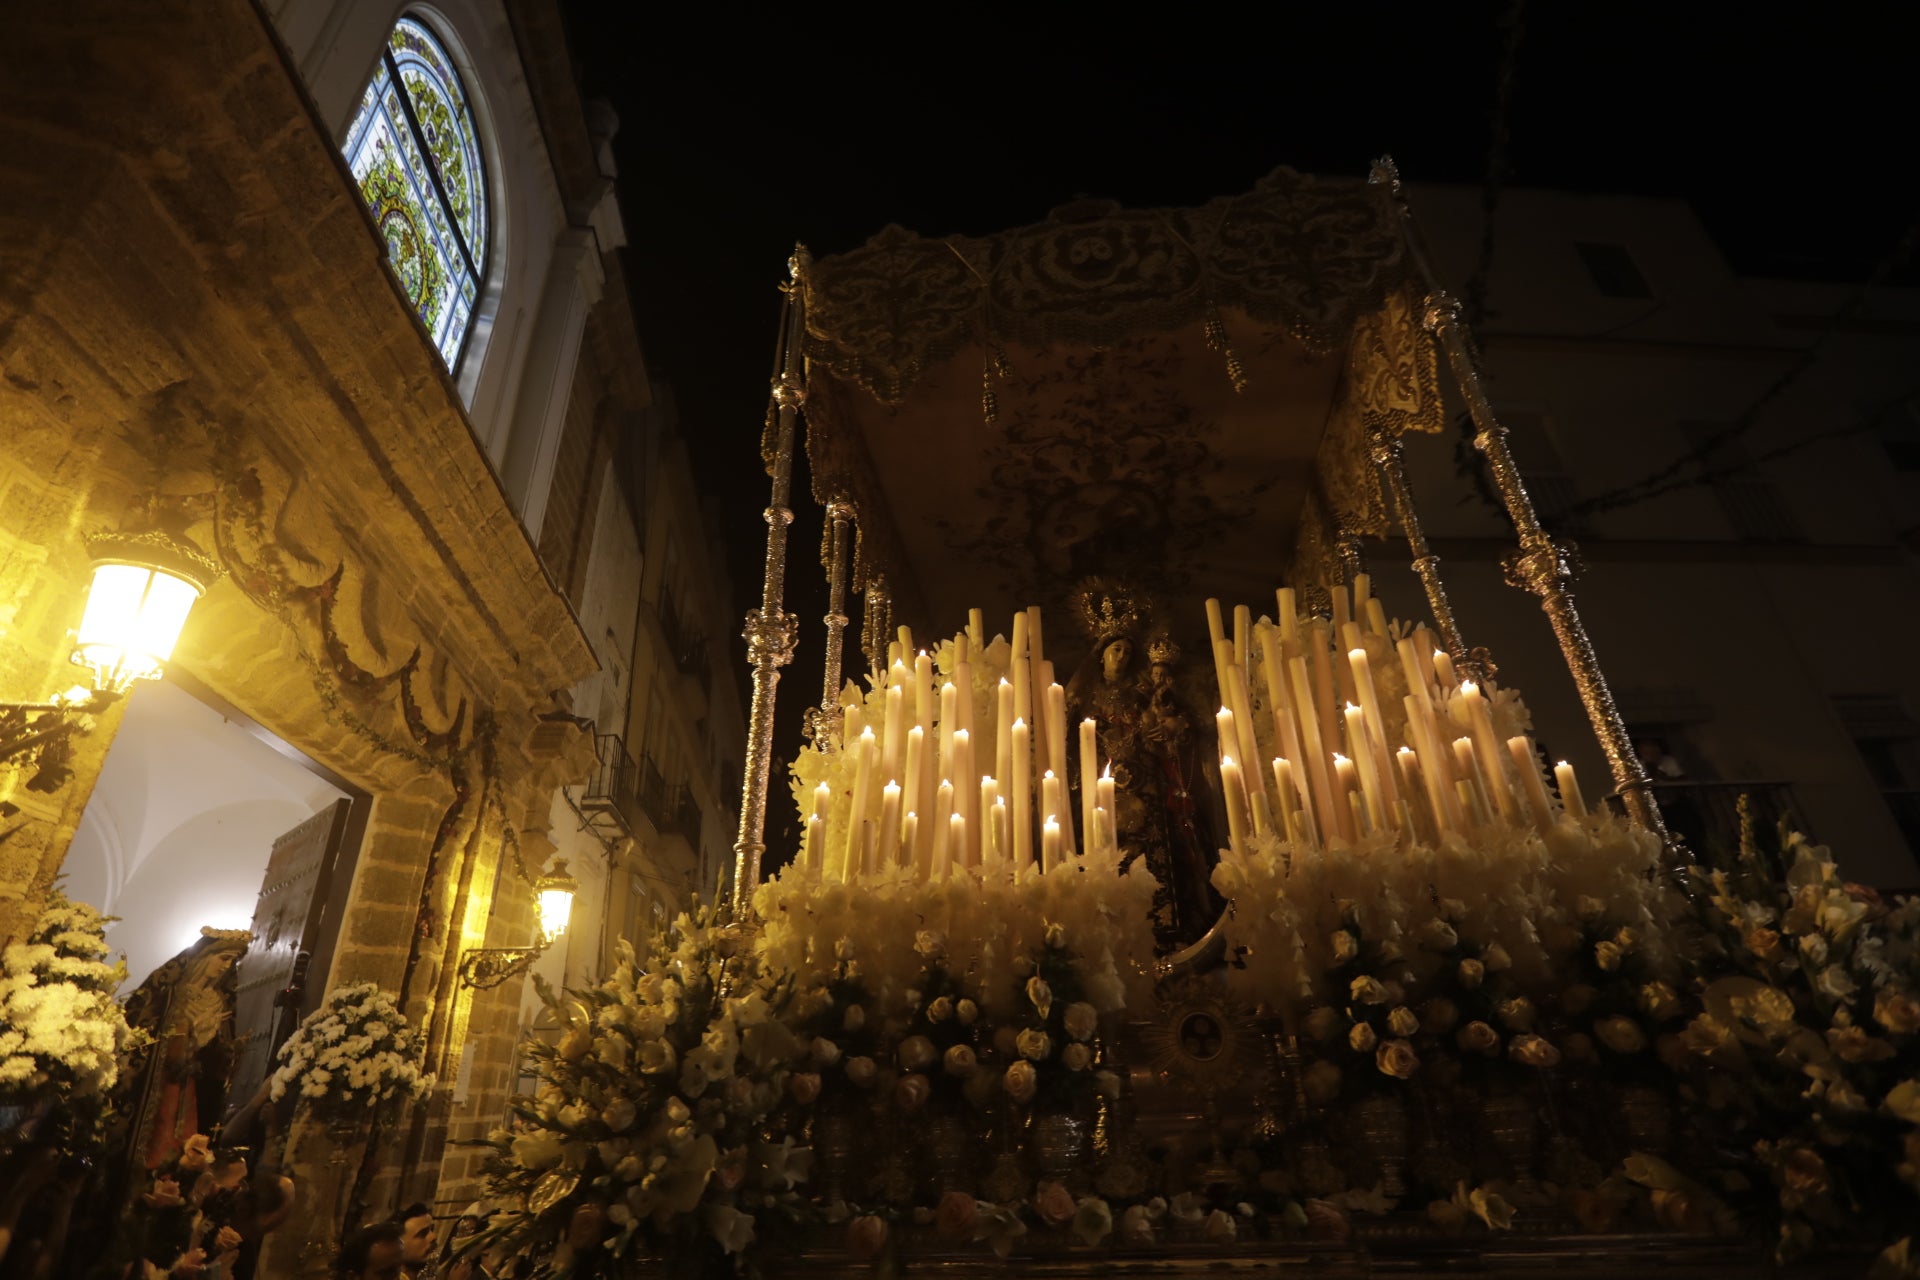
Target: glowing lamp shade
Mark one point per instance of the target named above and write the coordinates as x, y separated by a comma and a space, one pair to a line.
555, 892
133, 618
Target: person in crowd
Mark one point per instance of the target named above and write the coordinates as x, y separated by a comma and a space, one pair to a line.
422, 1259
371, 1252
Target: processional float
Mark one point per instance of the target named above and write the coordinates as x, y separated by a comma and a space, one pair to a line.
1218, 396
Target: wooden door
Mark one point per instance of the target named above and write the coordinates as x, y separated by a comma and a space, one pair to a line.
286, 923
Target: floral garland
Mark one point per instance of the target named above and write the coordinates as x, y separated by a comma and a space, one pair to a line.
352, 1057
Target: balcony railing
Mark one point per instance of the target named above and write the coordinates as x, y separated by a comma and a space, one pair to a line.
611, 795
1706, 816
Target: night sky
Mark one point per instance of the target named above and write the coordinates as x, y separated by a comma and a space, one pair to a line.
1791, 136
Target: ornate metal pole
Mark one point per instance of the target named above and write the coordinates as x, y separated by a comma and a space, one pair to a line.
1387, 455
1539, 566
878, 626
839, 534
771, 631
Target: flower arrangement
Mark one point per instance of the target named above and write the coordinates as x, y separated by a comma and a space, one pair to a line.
63, 1036
648, 1130
352, 1057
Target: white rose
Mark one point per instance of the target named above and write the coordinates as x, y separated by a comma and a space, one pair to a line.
960, 1061
1034, 1045
916, 1053
967, 1011
1077, 1057
854, 1018
825, 1051
861, 1070
1081, 1019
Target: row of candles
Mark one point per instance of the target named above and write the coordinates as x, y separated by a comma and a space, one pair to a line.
927, 740
1335, 777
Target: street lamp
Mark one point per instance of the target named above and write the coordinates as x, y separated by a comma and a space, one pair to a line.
143, 587
487, 967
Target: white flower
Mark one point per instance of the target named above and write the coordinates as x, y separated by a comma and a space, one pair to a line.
1081, 1019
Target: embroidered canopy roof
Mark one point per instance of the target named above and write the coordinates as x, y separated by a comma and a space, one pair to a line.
1180, 396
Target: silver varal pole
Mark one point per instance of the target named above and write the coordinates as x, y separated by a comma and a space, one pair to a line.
770, 630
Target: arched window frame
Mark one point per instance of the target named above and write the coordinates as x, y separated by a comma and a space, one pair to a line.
387, 88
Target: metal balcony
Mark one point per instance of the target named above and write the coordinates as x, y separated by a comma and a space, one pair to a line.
610, 800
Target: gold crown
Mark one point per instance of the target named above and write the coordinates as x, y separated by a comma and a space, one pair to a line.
1163, 649
1109, 609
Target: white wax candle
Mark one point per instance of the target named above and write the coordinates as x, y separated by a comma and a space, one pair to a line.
1103, 830
1362, 591
890, 824
1286, 733
949, 721
940, 854
1106, 790
1377, 618
857, 811
1423, 647
977, 628
966, 792
1487, 751
1003, 731
1410, 667
1473, 778
1248, 749
1216, 624
1036, 646
1570, 798
989, 796
851, 725
1443, 670
1289, 618
1052, 803
1019, 650
1022, 815
1051, 854
1089, 781
1368, 767
1342, 607
1416, 802
1242, 634
1235, 788
1057, 756
822, 801
956, 841
1434, 773
816, 840
894, 740
1527, 762
909, 833
1376, 720
1314, 756
910, 794
1002, 848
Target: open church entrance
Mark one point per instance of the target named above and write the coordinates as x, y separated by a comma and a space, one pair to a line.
203, 820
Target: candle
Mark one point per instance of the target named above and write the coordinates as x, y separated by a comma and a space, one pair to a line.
895, 736
1570, 798
822, 801
1236, 797
1052, 804
1423, 647
1527, 761
956, 841
1376, 721
1057, 755
816, 838
1368, 767
910, 793
909, 833
1487, 750
1242, 631
1342, 612
1346, 786
1362, 590
1106, 790
1003, 731
949, 721
893, 653
1314, 756
857, 812
1470, 777
1410, 667
965, 792
1416, 808
1359, 811
1285, 733
977, 628
1377, 618
1443, 670
1225, 732
890, 823
1050, 855
1002, 852
869, 858
1433, 767
1289, 618
1297, 822
851, 725
1089, 781
940, 853
989, 796
906, 640
1022, 815
1249, 749
1216, 637
1322, 702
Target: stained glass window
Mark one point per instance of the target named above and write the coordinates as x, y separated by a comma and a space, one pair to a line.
415, 151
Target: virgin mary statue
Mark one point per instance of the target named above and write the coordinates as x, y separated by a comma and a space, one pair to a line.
1148, 739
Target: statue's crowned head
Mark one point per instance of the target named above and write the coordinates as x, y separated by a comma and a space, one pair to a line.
1109, 610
